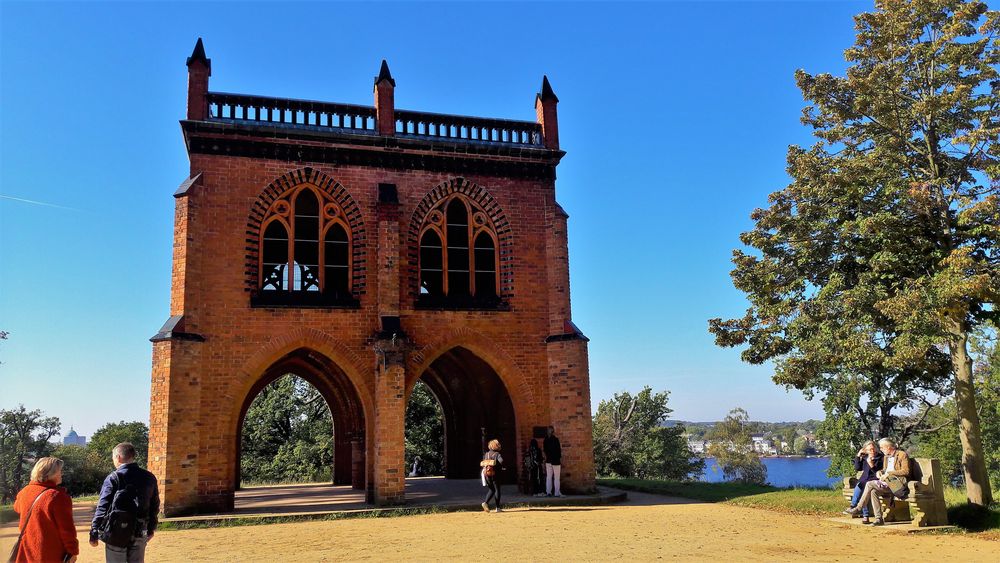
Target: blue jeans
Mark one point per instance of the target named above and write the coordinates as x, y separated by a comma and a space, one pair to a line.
858, 489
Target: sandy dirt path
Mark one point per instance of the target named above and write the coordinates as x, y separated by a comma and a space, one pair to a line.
645, 528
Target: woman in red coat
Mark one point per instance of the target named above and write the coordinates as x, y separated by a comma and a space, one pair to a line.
49, 533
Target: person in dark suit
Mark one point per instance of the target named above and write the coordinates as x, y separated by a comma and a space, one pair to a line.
553, 463
868, 462
147, 496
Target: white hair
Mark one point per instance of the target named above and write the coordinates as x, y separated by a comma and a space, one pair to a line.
887, 442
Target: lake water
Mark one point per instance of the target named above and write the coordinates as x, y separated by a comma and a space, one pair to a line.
784, 471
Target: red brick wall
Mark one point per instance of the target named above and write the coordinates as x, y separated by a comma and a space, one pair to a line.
200, 387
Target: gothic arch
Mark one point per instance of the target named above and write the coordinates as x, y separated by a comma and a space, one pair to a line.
343, 366
481, 197
312, 339
289, 181
486, 349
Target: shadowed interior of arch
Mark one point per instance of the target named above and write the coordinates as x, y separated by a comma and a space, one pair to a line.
477, 408
345, 453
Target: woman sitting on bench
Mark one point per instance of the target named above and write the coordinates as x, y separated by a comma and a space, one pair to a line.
868, 462
891, 480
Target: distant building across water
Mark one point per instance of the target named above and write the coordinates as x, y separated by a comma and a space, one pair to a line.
74, 439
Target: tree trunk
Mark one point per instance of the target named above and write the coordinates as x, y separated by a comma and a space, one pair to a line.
977, 483
886, 422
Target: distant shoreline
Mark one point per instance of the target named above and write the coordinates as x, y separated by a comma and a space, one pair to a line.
788, 456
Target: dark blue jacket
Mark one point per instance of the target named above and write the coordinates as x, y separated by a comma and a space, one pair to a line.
553, 450
867, 473
146, 490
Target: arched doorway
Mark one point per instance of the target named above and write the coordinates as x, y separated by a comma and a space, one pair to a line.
424, 433
346, 412
477, 408
287, 435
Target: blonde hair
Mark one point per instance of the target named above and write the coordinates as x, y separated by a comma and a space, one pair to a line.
495, 445
869, 443
46, 468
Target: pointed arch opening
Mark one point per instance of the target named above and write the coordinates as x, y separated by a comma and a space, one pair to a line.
424, 432
476, 407
285, 412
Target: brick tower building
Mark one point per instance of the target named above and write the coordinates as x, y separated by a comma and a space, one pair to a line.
364, 248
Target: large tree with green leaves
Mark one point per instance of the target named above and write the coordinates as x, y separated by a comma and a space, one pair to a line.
287, 435
632, 440
424, 431
875, 264
24, 437
113, 433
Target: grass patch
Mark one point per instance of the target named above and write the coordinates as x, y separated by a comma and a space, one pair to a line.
7, 514
825, 502
820, 501
970, 516
799, 500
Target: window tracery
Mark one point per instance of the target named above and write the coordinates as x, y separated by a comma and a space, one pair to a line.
458, 254
305, 247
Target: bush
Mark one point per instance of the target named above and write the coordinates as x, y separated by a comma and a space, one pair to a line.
631, 439
732, 448
83, 470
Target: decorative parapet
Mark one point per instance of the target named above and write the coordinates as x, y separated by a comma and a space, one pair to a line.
357, 119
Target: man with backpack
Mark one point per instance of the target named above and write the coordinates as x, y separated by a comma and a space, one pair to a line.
126, 514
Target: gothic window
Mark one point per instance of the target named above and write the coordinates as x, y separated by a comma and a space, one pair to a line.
274, 251
458, 255
485, 254
305, 251
431, 263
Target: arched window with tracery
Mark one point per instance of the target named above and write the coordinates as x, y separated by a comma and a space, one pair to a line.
305, 250
458, 256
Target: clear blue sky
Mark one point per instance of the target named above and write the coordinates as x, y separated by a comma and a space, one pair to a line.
676, 118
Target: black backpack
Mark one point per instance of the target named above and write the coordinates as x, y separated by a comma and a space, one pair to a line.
121, 523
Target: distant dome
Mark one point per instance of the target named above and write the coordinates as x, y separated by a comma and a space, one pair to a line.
72, 433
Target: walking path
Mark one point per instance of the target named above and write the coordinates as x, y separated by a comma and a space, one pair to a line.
643, 528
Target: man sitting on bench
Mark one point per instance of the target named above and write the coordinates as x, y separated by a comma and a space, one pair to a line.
891, 480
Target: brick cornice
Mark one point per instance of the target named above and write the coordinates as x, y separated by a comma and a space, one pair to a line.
346, 149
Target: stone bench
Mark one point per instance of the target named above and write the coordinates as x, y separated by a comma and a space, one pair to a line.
924, 506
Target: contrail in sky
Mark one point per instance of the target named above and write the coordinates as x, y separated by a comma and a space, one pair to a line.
42, 203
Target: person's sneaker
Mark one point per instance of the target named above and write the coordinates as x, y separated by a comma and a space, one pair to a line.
878, 522
486, 507
559, 495
866, 522
498, 510
851, 512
